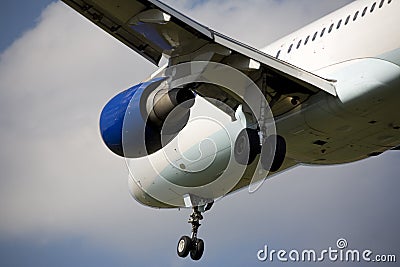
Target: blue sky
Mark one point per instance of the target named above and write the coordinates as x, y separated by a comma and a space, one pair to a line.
63, 196
17, 17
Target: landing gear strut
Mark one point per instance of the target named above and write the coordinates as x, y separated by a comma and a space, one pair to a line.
193, 245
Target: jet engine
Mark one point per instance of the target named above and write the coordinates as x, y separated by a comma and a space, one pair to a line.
142, 119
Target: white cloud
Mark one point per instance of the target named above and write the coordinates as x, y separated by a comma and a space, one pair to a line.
256, 22
54, 82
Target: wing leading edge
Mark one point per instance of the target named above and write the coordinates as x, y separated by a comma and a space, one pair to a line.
154, 29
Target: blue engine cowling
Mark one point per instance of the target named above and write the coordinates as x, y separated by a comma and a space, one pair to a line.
133, 123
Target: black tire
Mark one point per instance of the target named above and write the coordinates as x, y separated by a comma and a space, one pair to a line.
184, 246
247, 146
197, 250
267, 152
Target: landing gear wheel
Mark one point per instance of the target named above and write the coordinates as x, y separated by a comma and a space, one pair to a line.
267, 152
247, 146
197, 249
193, 245
184, 246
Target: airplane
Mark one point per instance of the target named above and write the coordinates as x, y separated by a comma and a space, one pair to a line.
220, 115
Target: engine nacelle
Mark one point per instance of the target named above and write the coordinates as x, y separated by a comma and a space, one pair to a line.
141, 120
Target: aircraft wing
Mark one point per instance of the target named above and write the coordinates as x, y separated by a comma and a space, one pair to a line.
154, 29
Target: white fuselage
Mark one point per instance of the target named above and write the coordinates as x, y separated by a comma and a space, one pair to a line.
365, 35
358, 47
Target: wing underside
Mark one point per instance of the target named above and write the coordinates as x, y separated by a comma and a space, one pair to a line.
154, 30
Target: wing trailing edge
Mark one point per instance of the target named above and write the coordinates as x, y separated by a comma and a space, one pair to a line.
153, 29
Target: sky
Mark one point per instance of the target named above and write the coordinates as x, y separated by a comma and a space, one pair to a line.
64, 199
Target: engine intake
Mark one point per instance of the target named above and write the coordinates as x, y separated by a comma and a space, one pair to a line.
141, 120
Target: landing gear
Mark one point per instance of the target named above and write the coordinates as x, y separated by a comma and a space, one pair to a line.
273, 143
193, 245
247, 146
